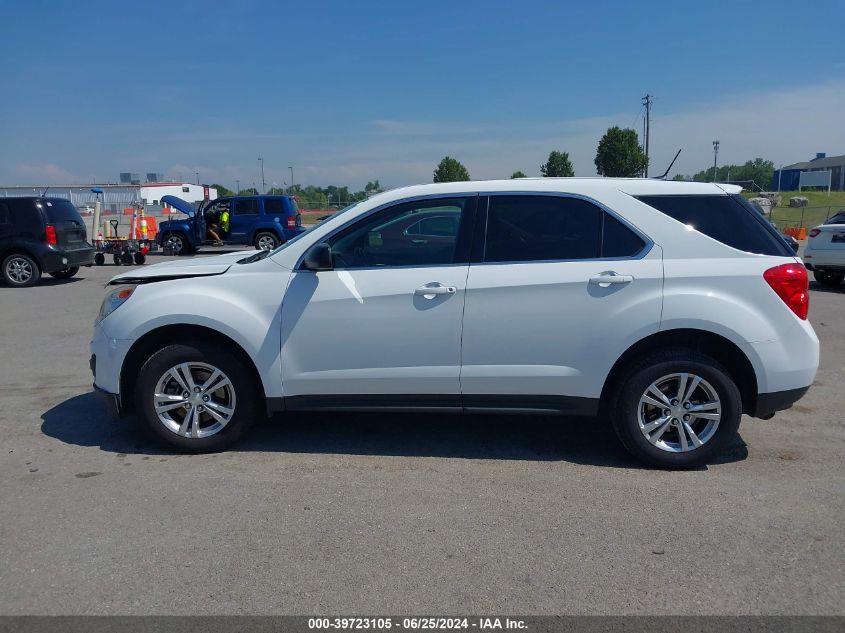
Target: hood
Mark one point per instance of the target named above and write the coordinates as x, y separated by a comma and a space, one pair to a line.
184, 206
197, 267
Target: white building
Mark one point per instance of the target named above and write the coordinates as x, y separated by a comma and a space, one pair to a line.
115, 198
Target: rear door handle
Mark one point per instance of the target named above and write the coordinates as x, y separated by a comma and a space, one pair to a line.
430, 290
603, 280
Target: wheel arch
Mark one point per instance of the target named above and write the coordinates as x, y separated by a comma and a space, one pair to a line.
15, 249
155, 339
715, 345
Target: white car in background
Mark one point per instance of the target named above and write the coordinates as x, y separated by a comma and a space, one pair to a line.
669, 307
825, 251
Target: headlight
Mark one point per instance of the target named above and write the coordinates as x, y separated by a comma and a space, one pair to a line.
114, 299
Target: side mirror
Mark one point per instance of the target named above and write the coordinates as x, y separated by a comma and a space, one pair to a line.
318, 257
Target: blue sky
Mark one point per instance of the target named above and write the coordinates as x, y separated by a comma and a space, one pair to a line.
347, 92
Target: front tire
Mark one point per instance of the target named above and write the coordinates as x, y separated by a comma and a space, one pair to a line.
195, 397
676, 409
21, 271
827, 279
174, 243
66, 273
266, 241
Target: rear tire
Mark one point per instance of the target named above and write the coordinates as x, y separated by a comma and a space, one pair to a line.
20, 270
99, 259
201, 359
140, 258
266, 241
827, 279
67, 273
652, 435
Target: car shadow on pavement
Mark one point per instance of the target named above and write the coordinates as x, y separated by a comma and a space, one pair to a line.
82, 421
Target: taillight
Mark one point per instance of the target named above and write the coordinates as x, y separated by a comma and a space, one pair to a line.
814, 232
50, 232
790, 283
291, 221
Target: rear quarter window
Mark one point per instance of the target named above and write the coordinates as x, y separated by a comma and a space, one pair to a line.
274, 207
725, 218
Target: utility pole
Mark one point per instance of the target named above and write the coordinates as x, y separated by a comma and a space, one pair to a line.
647, 101
238, 182
198, 177
290, 191
263, 184
715, 157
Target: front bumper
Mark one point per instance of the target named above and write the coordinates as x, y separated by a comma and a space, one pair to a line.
107, 356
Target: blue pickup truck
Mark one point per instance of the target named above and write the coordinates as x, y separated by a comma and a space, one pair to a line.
263, 221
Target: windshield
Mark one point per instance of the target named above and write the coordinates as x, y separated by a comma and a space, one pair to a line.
311, 228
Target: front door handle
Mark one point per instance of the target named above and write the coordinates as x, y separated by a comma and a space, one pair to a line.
603, 280
429, 291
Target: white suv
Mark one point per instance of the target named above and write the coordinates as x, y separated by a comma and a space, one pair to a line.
825, 251
669, 307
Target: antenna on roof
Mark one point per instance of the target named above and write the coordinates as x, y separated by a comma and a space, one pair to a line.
44, 193
666, 173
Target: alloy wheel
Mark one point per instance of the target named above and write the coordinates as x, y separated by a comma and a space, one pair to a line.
266, 243
679, 412
19, 270
194, 400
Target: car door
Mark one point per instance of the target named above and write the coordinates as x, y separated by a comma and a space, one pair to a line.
559, 290
384, 326
243, 217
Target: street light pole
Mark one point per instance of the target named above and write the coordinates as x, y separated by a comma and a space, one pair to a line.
263, 184
198, 177
238, 182
715, 157
291, 179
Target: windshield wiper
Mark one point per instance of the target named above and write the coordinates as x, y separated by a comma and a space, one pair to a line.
254, 258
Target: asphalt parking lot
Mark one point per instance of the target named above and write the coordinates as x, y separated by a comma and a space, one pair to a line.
366, 514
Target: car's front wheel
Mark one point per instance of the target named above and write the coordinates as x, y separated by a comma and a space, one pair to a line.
676, 409
65, 273
828, 279
174, 243
196, 397
21, 270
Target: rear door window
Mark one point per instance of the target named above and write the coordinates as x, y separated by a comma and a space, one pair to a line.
728, 219
246, 207
538, 228
5, 214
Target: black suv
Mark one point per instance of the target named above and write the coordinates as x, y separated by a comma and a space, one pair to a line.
41, 235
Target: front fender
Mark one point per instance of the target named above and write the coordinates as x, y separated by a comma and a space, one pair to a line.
244, 307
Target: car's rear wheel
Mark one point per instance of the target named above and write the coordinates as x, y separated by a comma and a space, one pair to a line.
65, 273
676, 409
828, 279
21, 270
99, 259
195, 397
266, 241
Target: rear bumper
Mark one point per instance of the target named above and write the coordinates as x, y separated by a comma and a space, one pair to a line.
56, 259
770, 403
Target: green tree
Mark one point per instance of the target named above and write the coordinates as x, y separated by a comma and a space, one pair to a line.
518, 174
249, 192
373, 187
682, 177
558, 165
222, 192
759, 171
450, 170
619, 154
